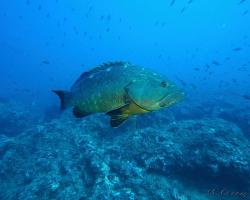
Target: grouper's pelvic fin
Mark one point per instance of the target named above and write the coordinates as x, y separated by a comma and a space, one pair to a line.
118, 116
65, 98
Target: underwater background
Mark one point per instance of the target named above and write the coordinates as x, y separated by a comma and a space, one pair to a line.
198, 149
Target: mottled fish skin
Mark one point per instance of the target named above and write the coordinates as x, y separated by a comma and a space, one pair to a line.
120, 90
103, 90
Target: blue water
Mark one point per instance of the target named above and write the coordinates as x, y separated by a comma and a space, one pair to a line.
203, 46
77, 35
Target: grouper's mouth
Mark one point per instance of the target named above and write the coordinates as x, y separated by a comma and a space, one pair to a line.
156, 99
166, 101
171, 98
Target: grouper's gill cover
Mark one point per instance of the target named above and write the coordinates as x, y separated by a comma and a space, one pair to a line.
120, 90
148, 93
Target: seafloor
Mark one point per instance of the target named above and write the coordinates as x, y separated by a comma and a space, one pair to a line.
166, 155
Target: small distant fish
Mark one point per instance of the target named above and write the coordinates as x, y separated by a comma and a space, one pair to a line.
90, 8
245, 37
183, 9
172, 3
247, 97
216, 63
197, 69
237, 49
27, 90
76, 30
242, 69
228, 58
193, 86
211, 73
190, 1
234, 80
245, 13
207, 67
109, 17
46, 62
182, 82
242, 1
39, 7
28, 2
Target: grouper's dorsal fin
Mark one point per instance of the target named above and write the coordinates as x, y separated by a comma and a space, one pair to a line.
104, 66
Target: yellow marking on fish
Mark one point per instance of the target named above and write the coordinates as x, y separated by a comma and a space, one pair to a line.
134, 109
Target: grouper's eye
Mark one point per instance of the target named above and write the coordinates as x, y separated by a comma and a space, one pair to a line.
163, 84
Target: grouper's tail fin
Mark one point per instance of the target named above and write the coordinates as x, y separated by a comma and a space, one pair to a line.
65, 98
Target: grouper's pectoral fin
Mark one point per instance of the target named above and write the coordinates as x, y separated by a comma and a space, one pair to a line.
117, 120
118, 116
79, 113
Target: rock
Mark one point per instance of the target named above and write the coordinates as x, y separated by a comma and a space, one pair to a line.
201, 149
15, 118
86, 159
